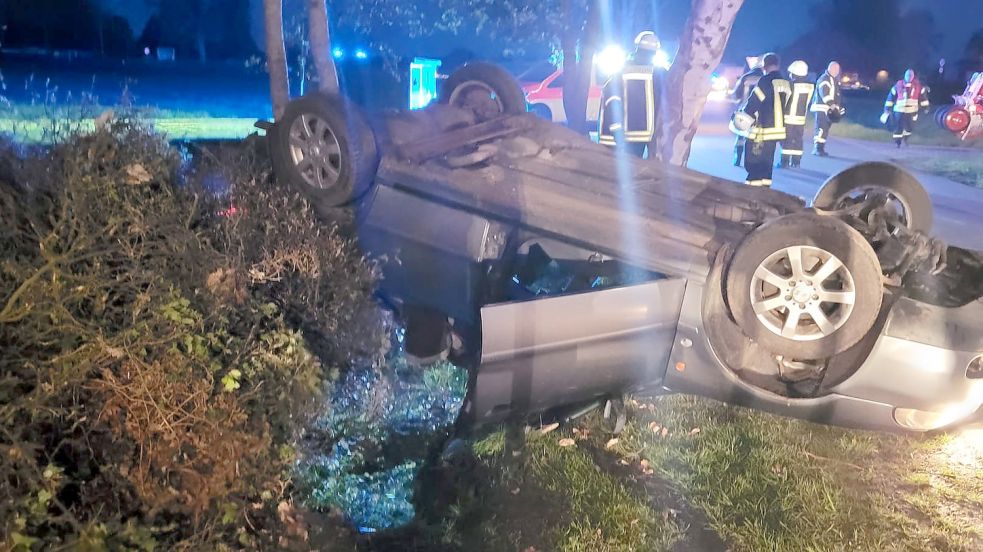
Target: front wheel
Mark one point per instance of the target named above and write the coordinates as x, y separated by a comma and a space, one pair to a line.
324, 148
805, 286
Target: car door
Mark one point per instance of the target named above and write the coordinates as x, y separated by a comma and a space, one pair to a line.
572, 326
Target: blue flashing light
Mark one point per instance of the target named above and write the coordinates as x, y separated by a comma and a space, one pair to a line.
361, 54
338, 53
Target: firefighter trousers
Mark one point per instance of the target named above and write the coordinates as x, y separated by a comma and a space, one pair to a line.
739, 151
759, 161
792, 145
823, 126
904, 125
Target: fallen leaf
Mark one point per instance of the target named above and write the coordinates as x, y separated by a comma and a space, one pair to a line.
515, 491
644, 463
136, 174
530, 549
611, 443
566, 442
694, 431
655, 427
623, 462
665, 432
546, 429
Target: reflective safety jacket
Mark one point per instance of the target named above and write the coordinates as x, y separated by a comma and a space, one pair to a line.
827, 94
630, 105
767, 106
798, 105
906, 97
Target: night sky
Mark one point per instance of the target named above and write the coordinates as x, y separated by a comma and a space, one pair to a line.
762, 24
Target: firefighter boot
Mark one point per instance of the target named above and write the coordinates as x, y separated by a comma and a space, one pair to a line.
820, 150
738, 155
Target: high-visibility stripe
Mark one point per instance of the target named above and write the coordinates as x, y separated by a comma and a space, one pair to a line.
791, 152
760, 94
820, 108
795, 120
762, 182
820, 140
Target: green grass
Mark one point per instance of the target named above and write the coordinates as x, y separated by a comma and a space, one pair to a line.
969, 171
183, 128
550, 497
771, 483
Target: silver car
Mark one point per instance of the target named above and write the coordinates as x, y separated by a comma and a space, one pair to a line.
565, 274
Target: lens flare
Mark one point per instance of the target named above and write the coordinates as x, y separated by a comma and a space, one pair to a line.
610, 60
966, 447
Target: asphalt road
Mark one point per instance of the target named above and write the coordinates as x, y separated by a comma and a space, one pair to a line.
958, 207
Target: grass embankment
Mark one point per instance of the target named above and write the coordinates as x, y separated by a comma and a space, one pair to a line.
968, 170
691, 474
47, 129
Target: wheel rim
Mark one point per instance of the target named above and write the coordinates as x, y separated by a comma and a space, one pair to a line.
478, 96
896, 204
315, 151
802, 293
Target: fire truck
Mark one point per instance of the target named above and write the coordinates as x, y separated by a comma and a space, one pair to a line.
965, 116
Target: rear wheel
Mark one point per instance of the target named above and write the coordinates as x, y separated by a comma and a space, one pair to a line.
324, 148
900, 191
805, 286
486, 89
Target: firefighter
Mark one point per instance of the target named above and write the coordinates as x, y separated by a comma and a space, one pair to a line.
827, 107
766, 105
795, 114
741, 92
630, 101
904, 100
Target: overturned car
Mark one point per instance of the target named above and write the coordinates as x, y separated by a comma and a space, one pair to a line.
564, 273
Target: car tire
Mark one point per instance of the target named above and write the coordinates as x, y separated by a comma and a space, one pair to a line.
879, 177
324, 148
542, 111
822, 307
485, 88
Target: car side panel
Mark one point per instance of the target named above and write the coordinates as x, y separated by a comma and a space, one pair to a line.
562, 350
432, 254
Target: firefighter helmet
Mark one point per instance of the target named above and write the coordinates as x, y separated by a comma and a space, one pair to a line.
798, 68
647, 40
741, 123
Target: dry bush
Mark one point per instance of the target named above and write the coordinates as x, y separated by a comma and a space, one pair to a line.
151, 391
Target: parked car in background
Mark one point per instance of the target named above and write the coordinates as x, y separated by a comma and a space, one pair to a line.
545, 96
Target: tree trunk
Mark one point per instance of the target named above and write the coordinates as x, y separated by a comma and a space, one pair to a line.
320, 41
276, 55
688, 82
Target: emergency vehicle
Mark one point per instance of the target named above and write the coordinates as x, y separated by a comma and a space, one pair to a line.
545, 98
965, 116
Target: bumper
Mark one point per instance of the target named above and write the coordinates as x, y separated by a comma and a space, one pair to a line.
903, 385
